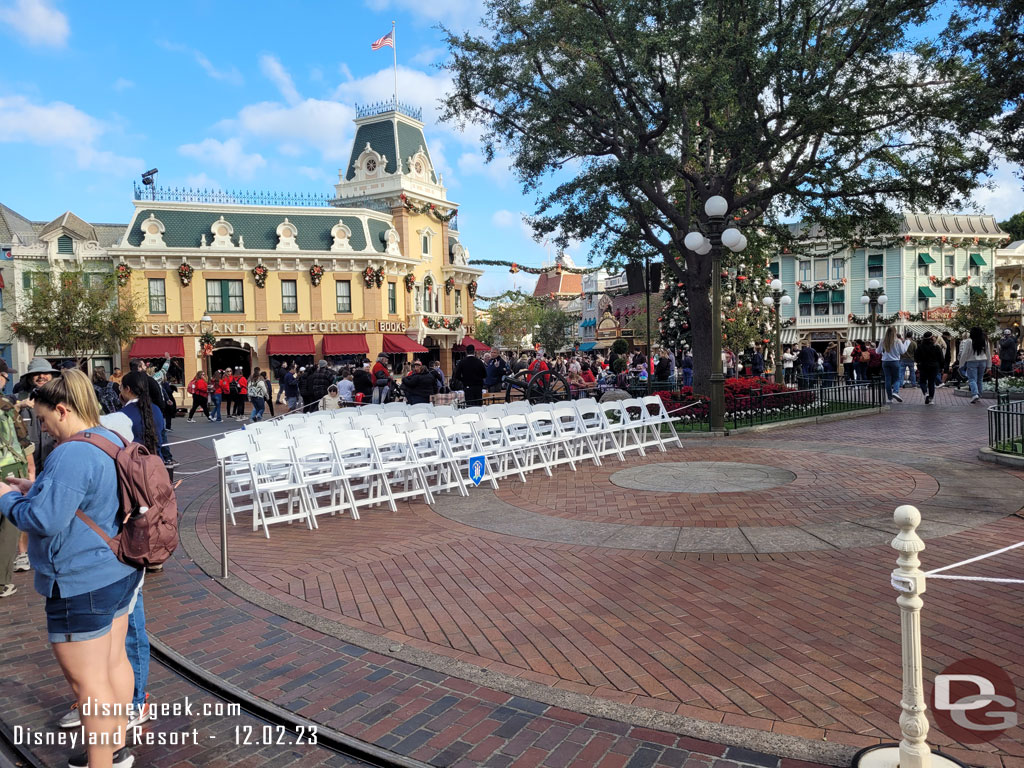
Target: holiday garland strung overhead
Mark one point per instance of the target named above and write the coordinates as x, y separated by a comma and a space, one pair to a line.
427, 208
443, 322
804, 255
514, 267
907, 317
949, 281
822, 285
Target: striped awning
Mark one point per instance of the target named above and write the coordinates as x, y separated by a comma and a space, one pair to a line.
788, 335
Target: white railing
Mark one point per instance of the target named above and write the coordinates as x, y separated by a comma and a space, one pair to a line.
822, 321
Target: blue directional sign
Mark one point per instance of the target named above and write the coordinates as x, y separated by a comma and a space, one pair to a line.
477, 468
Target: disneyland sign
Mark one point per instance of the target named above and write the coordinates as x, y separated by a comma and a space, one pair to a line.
313, 326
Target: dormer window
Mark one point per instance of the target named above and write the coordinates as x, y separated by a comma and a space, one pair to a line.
65, 245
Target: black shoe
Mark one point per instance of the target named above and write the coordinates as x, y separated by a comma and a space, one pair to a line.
897, 398
928, 400
123, 758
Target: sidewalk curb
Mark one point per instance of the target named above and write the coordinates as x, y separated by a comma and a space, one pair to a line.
1005, 459
781, 745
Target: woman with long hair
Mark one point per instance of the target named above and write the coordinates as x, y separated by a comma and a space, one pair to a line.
147, 421
891, 349
975, 356
89, 592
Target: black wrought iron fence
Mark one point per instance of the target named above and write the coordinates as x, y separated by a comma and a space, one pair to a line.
1006, 427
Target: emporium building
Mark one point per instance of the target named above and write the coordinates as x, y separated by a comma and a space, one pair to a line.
256, 281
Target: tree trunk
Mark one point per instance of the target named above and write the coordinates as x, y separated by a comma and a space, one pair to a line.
700, 330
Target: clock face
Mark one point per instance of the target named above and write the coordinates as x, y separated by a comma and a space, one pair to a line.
371, 165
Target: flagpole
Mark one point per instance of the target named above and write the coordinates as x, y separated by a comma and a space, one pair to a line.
394, 51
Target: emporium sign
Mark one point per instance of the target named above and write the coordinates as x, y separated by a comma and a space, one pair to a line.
194, 329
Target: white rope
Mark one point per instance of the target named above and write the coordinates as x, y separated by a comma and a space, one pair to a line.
683, 408
979, 578
975, 559
201, 471
231, 431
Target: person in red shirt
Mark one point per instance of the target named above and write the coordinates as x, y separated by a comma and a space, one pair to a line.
243, 393
216, 395
199, 390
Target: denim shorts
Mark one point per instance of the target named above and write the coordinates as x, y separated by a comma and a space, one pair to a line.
91, 614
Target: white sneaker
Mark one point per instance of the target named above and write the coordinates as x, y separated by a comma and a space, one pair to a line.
144, 713
191, 421
975, 398
21, 562
72, 718
897, 398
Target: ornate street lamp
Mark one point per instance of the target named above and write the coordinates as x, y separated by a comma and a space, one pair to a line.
778, 299
716, 208
874, 297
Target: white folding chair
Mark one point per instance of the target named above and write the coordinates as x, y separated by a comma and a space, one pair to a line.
232, 453
634, 414
419, 408
574, 433
277, 489
521, 440
438, 421
620, 426
462, 446
521, 406
596, 425
395, 407
429, 450
322, 476
444, 410
502, 459
399, 465
467, 418
657, 416
556, 449
364, 481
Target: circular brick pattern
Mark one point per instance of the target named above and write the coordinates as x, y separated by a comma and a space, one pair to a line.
701, 477
819, 487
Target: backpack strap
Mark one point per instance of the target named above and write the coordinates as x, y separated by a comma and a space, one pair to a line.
111, 449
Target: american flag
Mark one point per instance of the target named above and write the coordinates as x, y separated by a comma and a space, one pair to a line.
388, 39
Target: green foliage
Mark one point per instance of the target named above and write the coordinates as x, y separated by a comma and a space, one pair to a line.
484, 332
555, 328
619, 364
620, 346
513, 315
65, 312
1014, 226
824, 109
980, 311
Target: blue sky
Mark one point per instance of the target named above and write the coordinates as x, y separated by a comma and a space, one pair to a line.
253, 95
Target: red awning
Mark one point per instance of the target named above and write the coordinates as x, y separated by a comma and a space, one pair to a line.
157, 346
478, 345
396, 344
301, 344
344, 344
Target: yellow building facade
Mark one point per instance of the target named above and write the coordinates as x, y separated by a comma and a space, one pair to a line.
380, 267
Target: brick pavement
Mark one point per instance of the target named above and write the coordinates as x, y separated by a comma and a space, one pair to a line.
801, 645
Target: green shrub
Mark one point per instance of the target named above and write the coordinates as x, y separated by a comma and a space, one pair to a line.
620, 346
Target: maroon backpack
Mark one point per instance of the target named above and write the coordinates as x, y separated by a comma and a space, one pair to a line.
148, 510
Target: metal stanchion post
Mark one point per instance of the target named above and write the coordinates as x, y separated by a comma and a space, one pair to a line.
223, 524
909, 580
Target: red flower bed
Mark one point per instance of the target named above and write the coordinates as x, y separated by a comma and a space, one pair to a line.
741, 395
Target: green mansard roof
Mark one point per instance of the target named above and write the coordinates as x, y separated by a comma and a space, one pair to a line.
380, 135
184, 229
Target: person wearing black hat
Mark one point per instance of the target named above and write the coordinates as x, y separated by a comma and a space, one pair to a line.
15, 459
39, 372
928, 357
472, 373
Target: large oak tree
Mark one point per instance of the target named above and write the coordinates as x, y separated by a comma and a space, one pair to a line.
634, 112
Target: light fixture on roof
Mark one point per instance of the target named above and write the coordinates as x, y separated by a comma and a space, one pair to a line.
149, 180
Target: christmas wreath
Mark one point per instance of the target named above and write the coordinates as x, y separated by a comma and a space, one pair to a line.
443, 322
316, 274
259, 274
369, 277
124, 274
449, 285
207, 339
471, 289
428, 282
378, 276
410, 282
185, 272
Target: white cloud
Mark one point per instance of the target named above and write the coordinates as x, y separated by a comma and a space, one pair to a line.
312, 123
123, 84
504, 219
345, 72
1003, 196
228, 155
201, 181
279, 76
62, 126
428, 56
37, 22
468, 11
316, 75
473, 164
232, 76
415, 87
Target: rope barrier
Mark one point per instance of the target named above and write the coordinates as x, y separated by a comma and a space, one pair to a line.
230, 431
931, 574
979, 578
